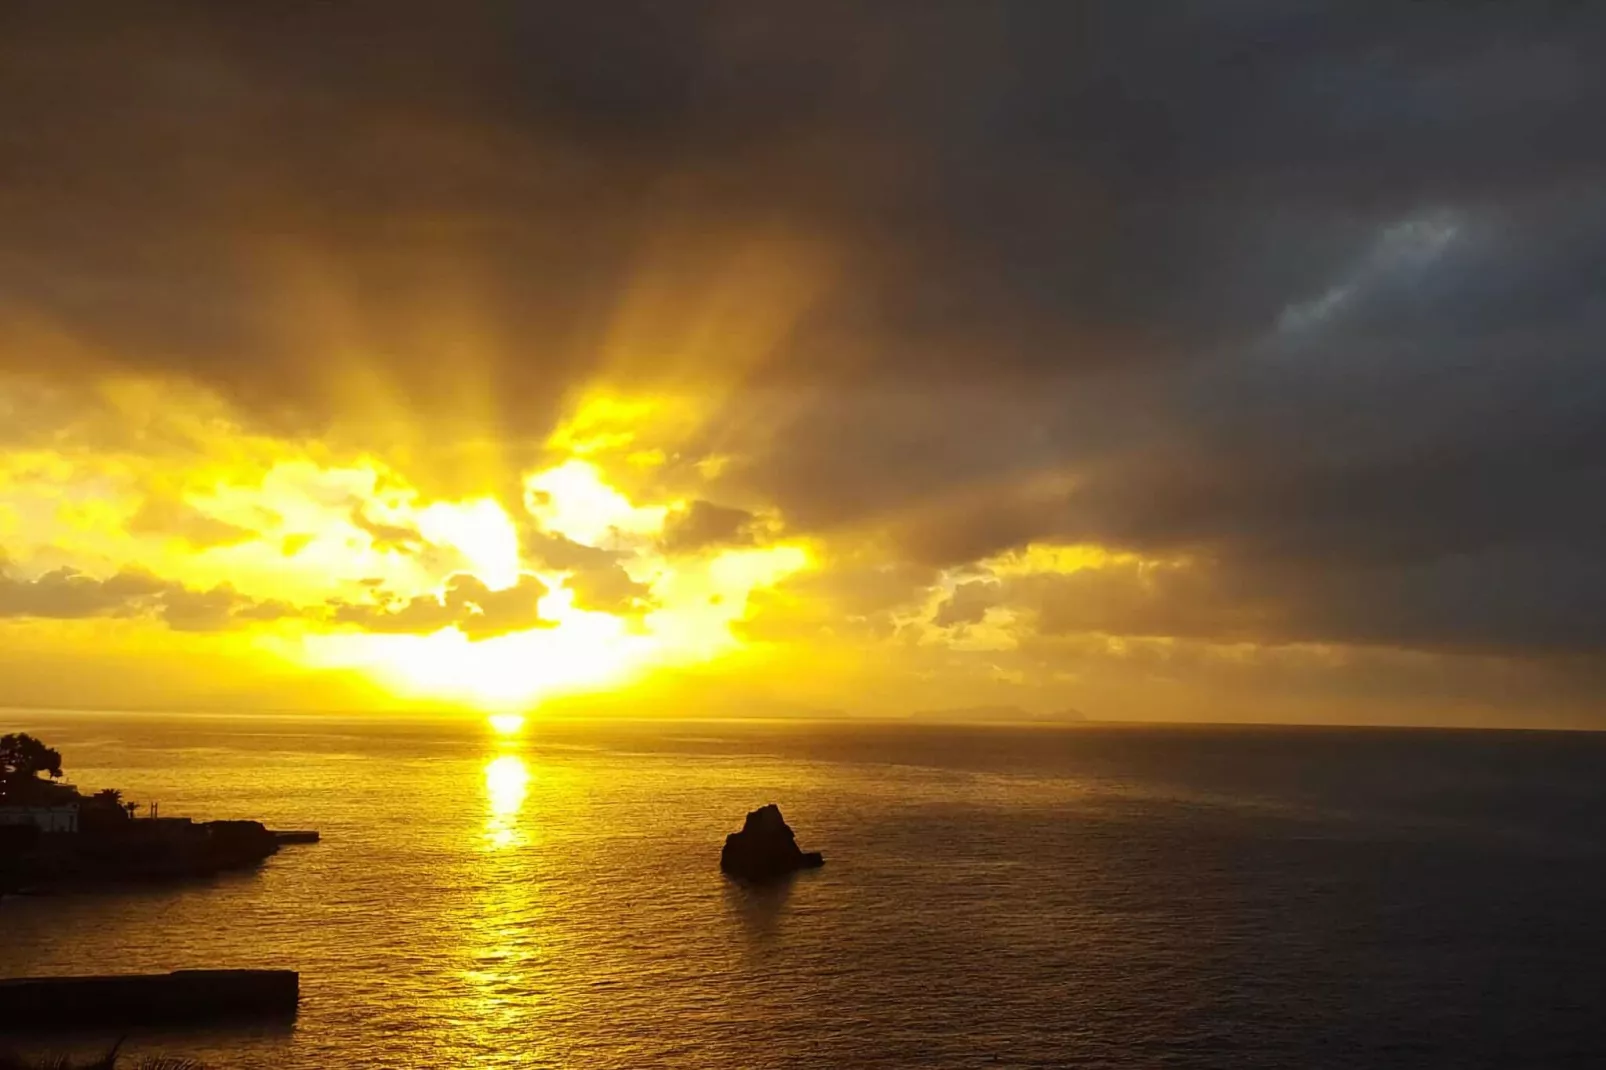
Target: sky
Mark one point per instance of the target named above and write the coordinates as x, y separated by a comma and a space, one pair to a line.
1240, 360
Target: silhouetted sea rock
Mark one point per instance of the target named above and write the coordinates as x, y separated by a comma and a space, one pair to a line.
765, 849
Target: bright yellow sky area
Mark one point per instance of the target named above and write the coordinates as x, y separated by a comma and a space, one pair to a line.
334, 565
693, 599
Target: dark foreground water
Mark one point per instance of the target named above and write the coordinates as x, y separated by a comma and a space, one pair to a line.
994, 897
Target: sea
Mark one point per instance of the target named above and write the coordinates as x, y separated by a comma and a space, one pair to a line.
994, 896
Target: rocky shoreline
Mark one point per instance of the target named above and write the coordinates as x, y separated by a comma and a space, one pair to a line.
53, 837
151, 850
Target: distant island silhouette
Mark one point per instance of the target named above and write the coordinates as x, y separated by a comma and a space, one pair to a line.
998, 715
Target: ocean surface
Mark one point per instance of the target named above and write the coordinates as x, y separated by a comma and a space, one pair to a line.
1081, 897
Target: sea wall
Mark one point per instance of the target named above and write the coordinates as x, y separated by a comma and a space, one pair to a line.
183, 996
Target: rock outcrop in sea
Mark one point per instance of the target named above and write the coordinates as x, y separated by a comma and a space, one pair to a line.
765, 849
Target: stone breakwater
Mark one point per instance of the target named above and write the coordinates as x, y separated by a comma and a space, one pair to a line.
144, 999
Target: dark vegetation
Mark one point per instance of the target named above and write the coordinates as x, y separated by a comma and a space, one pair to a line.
24, 758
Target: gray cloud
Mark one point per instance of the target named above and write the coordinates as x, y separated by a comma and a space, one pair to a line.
387, 536
860, 595
702, 524
596, 577
968, 604
221, 607
421, 615
67, 594
467, 603
563, 553
498, 612
608, 590
162, 515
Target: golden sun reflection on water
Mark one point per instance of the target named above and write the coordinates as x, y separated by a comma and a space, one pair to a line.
500, 933
506, 782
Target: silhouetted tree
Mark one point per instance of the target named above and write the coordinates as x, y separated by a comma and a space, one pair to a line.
102, 811
22, 759
22, 756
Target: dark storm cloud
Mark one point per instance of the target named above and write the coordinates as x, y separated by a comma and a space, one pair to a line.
1309, 290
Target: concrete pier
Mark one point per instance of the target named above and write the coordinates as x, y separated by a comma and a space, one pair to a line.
132, 999
296, 835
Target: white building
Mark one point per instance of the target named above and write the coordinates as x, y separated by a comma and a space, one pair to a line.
48, 818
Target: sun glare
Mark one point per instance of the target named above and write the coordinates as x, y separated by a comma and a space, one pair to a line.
683, 614
482, 532
506, 724
586, 651
572, 500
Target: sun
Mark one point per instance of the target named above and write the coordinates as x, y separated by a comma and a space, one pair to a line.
683, 611
501, 674
506, 724
506, 674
